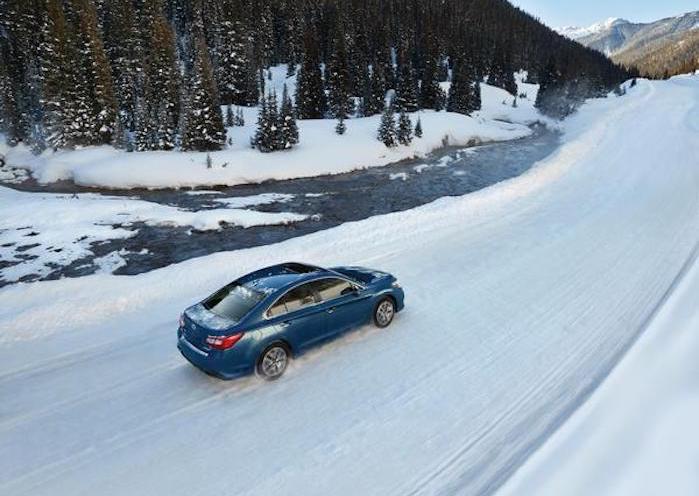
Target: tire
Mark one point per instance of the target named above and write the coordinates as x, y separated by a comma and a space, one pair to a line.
384, 312
273, 361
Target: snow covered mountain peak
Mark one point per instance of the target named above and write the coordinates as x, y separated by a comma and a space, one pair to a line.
576, 32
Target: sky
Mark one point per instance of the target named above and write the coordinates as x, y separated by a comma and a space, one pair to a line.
558, 13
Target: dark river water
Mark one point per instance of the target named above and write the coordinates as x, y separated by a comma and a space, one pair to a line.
329, 200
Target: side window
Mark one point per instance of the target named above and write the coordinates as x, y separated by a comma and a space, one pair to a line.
293, 300
329, 289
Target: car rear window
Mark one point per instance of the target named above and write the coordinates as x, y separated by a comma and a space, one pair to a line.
233, 301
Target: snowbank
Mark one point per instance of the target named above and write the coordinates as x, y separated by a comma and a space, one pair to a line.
45, 230
321, 150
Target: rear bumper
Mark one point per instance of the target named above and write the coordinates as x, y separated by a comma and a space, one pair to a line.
217, 364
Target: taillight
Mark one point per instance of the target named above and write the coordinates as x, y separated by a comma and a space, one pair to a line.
223, 342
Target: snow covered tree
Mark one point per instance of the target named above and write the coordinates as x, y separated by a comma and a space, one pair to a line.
388, 133
95, 108
230, 116
407, 90
234, 69
163, 83
405, 129
52, 60
431, 94
287, 122
374, 98
125, 50
340, 127
204, 129
338, 79
311, 101
464, 93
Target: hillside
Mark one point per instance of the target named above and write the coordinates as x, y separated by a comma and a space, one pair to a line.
677, 54
147, 75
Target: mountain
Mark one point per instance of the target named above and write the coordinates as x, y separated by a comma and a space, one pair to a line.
614, 35
676, 54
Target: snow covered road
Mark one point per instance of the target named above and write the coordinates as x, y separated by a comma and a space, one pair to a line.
520, 300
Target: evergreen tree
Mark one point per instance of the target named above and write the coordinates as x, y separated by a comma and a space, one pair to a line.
95, 104
407, 90
52, 59
464, 93
340, 128
125, 51
270, 134
418, 128
234, 68
287, 122
431, 94
311, 101
502, 71
240, 118
338, 79
375, 94
387, 133
163, 83
204, 129
405, 129
230, 117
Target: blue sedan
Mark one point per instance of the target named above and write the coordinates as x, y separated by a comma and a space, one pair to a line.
258, 322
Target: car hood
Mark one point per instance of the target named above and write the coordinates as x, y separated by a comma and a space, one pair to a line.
362, 274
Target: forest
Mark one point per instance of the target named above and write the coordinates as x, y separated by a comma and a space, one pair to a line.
154, 74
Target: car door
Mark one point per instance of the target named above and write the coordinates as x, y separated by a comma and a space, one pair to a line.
344, 304
299, 316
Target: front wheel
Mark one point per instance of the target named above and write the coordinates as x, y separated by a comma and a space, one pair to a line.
273, 362
384, 312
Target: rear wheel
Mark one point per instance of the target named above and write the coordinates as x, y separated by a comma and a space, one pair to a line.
384, 312
273, 361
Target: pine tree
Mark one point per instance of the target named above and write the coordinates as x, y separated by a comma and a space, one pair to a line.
52, 59
502, 72
287, 122
375, 94
311, 102
387, 133
407, 90
340, 128
234, 68
163, 83
464, 92
405, 129
240, 118
418, 128
431, 94
338, 78
204, 123
230, 117
96, 107
125, 50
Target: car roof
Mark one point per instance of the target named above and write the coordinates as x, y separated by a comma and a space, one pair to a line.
280, 277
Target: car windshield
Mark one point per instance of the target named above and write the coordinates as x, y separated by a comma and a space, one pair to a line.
233, 301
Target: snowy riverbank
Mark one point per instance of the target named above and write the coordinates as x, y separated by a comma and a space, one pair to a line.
321, 150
